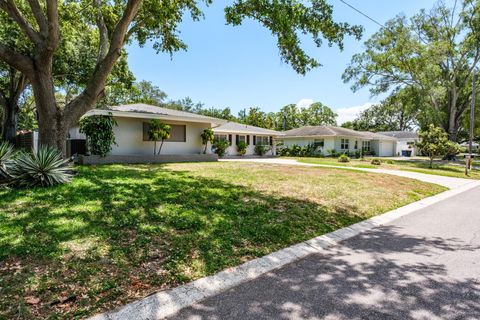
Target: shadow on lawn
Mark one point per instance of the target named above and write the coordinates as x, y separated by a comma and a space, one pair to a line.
139, 230
357, 281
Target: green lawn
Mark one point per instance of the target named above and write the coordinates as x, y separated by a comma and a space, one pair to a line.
421, 166
118, 233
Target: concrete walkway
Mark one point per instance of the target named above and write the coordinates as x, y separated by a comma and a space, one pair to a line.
425, 265
448, 182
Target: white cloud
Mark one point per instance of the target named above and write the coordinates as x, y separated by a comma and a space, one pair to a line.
304, 103
351, 113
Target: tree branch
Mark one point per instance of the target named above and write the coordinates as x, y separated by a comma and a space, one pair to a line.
53, 24
85, 101
103, 31
11, 9
17, 60
39, 16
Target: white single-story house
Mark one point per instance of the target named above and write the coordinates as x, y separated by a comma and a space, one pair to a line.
235, 132
406, 141
132, 139
341, 140
133, 120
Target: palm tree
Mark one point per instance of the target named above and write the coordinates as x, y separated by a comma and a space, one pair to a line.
158, 131
207, 136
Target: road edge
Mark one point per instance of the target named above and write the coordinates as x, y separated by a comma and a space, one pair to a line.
165, 303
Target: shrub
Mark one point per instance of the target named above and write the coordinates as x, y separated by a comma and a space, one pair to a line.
332, 152
6, 160
343, 158
389, 161
220, 147
207, 136
376, 162
242, 147
261, 150
44, 168
99, 132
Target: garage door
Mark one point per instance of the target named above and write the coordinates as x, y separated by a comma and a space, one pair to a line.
386, 149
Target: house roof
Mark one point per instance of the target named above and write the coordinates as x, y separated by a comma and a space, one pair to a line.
332, 131
141, 110
400, 134
234, 127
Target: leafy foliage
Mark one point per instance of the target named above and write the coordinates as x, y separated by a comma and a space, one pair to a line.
44, 168
399, 112
6, 159
432, 54
286, 19
158, 131
207, 136
99, 131
242, 147
434, 143
220, 147
299, 151
261, 150
343, 158
376, 162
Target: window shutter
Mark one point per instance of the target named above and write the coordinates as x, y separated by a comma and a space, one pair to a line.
271, 140
230, 139
236, 139
248, 140
254, 140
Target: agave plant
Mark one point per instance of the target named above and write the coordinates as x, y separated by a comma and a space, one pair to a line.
46, 167
6, 160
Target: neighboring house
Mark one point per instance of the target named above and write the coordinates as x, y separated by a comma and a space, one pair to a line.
342, 140
235, 132
406, 141
133, 121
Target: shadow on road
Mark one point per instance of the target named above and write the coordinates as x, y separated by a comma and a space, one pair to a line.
382, 274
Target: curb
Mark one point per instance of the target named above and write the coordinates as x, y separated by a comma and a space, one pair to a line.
165, 303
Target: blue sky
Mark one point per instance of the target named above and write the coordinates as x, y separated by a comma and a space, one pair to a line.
239, 67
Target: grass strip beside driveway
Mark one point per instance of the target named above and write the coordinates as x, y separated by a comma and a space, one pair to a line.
420, 166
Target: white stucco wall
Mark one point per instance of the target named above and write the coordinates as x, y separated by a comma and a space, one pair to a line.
402, 144
232, 150
381, 148
129, 138
328, 144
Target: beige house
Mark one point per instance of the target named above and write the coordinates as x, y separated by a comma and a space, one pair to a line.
341, 140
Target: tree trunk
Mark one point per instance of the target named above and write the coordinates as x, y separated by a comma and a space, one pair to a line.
10, 120
53, 127
161, 145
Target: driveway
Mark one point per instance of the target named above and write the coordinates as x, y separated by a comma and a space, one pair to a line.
425, 265
448, 182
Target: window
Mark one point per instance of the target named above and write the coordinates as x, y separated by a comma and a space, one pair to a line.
356, 144
366, 145
319, 143
242, 139
344, 144
178, 132
262, 141
220, 137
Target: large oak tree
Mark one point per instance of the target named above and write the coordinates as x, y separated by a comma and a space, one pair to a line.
42, 24
433, 53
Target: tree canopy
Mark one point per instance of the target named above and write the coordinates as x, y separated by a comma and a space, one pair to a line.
433, 53
47, 28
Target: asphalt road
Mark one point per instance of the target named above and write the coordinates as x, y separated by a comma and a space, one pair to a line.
423, 266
